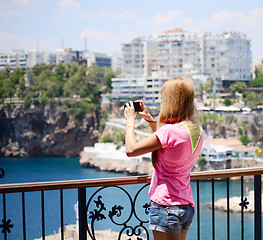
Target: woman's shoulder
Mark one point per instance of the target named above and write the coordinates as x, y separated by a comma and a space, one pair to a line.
171, 127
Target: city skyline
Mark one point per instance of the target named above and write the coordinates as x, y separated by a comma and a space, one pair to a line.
103, 26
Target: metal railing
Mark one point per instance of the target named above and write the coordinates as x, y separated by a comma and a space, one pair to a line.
94, 210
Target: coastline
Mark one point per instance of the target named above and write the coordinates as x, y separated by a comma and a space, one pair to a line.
71, 233
108, 157
221, 204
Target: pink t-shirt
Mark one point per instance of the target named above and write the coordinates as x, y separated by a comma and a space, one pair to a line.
170, 183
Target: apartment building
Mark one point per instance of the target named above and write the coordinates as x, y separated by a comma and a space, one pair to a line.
116, 62
100, 59
224, 57
13, 59
37, 57
139, 56
228, 57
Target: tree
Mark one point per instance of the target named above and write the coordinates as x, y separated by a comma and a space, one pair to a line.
201, 90
108, 74
257, 82
227, 102
47, 83
259, 70
244, 137
252, 99
8, 88
210, 84
237, 87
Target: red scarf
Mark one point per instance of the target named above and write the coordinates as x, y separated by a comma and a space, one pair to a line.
170, 120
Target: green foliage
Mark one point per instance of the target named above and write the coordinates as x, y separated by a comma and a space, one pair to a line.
47, 82
80, 108
103, 122
257, 82
237, 87
107, 138
229, 119
244, 139
27, 100
202, 161
117, 137
44, 99
252, 99
244, 136
227, 102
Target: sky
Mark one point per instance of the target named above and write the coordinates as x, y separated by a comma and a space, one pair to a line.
105, 24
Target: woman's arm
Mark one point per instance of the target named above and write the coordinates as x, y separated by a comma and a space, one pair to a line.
134, 148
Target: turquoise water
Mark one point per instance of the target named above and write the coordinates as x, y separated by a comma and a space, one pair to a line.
55, 169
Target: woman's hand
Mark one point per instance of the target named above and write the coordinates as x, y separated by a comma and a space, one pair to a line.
145, 113
129, 113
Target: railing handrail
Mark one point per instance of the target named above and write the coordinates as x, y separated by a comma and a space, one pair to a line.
100, 182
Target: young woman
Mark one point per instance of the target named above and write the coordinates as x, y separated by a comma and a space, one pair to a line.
176, 143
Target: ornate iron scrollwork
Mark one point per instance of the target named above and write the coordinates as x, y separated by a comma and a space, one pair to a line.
2, 173
117, 214
6, 226
244, 203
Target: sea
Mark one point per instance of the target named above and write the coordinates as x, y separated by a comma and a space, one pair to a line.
23, 170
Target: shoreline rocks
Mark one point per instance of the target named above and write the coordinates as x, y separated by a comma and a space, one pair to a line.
108, 157
221, 204
71, 233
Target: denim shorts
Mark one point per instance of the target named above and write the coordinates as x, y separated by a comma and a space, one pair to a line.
170, 219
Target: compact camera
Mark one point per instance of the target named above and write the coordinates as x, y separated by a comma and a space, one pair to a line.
137, 106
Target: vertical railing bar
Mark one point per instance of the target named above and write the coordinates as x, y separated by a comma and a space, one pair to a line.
43, 214
4, 213
257, 207
228, 211
242, 208
213, 209
82, 211
24, 215
61, 214
198, 210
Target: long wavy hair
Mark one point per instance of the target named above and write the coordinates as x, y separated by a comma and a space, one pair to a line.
177, 103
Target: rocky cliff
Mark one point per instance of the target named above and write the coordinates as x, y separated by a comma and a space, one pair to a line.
45, 130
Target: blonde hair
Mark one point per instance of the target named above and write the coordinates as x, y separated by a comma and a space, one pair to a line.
177, 104
177, 101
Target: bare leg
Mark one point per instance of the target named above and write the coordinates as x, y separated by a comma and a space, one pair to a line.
169, 236
183, 235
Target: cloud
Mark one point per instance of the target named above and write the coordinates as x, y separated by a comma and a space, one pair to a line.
128, 14
13, 8
99, 14
250, 24
68, 4
106, 41
9, 42
170, 18
22, 1
95, 35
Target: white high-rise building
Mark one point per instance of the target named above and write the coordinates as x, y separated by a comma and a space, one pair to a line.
228, 57
34, 57
37, 57
14, 59
116, 63
225, 57
3, 61
139, 56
